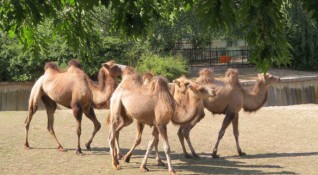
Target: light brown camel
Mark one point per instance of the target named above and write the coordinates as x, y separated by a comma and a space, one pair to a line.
72, 88
231, 98
190, 102
146, 78
150, 104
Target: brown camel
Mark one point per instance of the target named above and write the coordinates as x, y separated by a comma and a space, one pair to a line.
72, 88
189, 105
146, 78
150, 104
231, 98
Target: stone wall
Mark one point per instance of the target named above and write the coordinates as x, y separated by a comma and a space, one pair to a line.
292, 90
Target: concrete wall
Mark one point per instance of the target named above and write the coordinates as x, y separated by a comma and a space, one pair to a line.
14, 95
292, 90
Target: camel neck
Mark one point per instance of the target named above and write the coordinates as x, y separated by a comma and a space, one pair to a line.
256, 98
103, 91
187, 107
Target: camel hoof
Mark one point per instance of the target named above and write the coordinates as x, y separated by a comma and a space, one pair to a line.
215, 156
172, 172
144, 169
242, 154
61, 149
88, 146
160, 163
27, 147
127, 159
79, 152
196, 156
187, 156
116, 167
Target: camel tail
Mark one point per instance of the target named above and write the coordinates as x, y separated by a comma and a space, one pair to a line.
160, 84
35, 96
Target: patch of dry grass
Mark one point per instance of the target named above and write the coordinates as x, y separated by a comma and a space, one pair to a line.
277, 140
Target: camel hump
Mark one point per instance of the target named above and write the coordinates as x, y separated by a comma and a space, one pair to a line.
51, 65
146, 78
205, 76
206, 72
159, 83
75, 63
232, 76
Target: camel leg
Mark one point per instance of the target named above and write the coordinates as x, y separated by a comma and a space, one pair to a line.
119, 155
140, 128
158, 159
126, 122
186, 133
227, 120
77, 112
91, 115
181, 138
112, 137
163, 132
32, 110
50, 106
236, 135
155, 135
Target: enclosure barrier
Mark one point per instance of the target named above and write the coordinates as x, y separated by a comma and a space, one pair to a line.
290, 91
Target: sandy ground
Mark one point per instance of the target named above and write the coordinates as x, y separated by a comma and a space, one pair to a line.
277, 140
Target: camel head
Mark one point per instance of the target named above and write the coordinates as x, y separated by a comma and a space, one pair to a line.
113, 69
268, 79
181, 84
201, 91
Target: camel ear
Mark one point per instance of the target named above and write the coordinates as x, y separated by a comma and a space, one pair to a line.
176, 82
106, 65
192, 88
187, 83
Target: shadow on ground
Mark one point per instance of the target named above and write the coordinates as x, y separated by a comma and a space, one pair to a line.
207, 165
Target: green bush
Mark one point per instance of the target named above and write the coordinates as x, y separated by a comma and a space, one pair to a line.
169, 66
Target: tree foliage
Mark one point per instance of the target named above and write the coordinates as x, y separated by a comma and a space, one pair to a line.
168, 66
263, 22
302, 33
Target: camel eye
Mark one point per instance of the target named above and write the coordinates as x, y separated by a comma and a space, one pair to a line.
186, 83
202, 90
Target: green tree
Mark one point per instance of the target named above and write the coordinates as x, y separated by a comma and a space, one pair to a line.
264, 21
302, 33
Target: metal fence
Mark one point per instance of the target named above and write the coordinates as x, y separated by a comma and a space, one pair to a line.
208, 57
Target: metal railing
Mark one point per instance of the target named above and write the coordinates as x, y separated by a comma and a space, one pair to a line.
208, 57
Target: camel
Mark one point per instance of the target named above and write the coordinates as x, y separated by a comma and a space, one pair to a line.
146, 78
191, 103
72, 88
231, 98
150, 104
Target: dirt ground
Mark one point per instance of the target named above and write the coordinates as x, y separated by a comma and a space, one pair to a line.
277, 140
